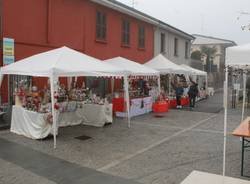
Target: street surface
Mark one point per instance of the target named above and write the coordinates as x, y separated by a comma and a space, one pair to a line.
153, 151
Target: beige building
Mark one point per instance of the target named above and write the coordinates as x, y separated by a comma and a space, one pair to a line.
215, 68
173, 43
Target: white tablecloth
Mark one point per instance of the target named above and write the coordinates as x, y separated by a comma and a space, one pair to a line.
34, 125
139, 106
95, 115
30, 124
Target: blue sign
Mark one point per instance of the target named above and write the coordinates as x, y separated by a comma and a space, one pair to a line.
8, 51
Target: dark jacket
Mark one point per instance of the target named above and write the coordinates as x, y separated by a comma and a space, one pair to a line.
193, 90
179, 91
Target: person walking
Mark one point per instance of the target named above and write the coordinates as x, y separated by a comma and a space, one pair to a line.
193, 93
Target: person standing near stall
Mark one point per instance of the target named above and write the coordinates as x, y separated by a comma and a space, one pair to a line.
193, 93
179, 92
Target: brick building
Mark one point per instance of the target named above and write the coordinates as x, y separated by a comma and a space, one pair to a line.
99, 28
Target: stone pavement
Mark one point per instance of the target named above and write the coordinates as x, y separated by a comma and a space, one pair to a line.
153, 151
52, 168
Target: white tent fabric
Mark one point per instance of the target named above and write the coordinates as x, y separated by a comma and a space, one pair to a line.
62, 62
238, 56
194, 71
165, 66
132, 67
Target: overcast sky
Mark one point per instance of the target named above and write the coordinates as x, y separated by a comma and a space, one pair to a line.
208, 17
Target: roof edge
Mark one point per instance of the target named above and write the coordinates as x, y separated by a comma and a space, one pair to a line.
211, 37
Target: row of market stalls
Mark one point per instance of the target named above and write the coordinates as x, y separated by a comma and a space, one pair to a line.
39, 112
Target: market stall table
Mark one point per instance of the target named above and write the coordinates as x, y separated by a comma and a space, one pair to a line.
30, 124
36, 126
243, 131
138, 106
197, 177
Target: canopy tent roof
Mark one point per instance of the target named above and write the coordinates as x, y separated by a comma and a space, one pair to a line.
238, 56
61, 62
132, 67
194, 71
165, 66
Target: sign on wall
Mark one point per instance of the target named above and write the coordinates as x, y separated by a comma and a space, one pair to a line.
8, 51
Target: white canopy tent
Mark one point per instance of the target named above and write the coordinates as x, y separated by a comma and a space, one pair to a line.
194, 71
236, 58
62, 62
133, 68
165, 66
197, 72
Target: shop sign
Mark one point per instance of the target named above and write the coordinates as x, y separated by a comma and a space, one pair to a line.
8, 51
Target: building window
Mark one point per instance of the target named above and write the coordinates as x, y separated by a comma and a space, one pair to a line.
101, 26
141, 37
125, 32
163, 43
186, 50
176, 47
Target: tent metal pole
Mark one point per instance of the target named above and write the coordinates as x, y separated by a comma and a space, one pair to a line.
1, 80
112, 86
169, 84
159, 84
126, 86
244, 96
225, 120
52, 90
206, 85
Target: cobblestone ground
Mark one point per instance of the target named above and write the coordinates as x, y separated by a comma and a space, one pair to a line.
153, 151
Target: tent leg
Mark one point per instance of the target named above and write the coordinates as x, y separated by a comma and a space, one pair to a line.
169, 84
206, 85
127, 99
244, 96
159, 84
52, 90
1, 80
112, 86
225, 120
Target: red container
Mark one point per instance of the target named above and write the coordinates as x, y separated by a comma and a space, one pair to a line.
160, 107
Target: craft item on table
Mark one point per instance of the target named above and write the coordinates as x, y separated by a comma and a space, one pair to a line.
36, 103
63, 107
43, 108
56, 106
46, 95
61, 93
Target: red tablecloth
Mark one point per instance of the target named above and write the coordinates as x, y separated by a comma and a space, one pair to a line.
118, 104
172, 103
184, 101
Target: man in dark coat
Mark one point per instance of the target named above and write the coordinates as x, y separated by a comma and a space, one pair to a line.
193, 93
